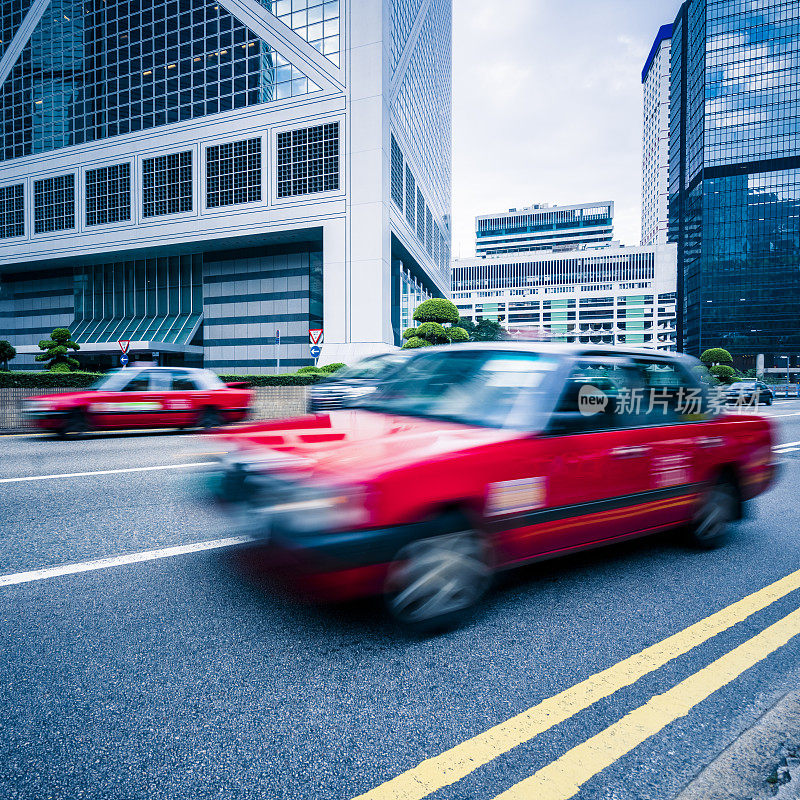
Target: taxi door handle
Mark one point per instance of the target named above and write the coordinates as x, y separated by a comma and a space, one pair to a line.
630, 452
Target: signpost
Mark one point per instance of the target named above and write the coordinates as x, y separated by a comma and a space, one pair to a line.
315, 340
124, 345
277, 351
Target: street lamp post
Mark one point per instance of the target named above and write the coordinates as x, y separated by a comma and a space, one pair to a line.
787, 376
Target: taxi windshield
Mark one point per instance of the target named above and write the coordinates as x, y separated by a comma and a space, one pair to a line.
495, 388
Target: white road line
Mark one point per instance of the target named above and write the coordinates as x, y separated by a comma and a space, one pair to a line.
782, 450
105, 472
118, 561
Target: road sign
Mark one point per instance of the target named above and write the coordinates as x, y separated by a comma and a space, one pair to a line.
315, 351
124, 344
277, 337
315, 335
123, 359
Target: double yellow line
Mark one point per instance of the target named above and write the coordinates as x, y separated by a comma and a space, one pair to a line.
564, 777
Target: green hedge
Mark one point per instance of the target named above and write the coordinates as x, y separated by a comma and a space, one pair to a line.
80, 380
274, 380
45, 379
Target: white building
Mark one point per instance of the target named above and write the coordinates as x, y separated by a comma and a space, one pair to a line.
544, 227
655, 140
197, 176
614, 295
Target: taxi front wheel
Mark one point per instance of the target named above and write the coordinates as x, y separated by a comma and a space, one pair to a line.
209, 418
717, 509
434, 584
76, 424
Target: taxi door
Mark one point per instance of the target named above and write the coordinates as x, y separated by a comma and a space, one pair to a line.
600, 472
137, 404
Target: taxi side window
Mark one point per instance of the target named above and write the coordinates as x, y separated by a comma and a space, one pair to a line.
139, 383
183, 383
670, 396
596, 397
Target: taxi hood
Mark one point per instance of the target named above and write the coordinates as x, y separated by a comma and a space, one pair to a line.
355, 443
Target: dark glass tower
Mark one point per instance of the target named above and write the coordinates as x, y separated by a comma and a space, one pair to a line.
734, 177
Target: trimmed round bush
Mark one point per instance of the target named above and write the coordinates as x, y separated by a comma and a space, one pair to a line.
724, 373
716, 355
456, 334
409, 332
415, 342
329, 368
432, 332
436, 309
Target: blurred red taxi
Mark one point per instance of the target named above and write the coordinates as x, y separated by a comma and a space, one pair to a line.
477, 458
150, 397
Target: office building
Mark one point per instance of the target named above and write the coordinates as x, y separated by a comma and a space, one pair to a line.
198, 175
734, 174
655, 140
613, 295
545, 227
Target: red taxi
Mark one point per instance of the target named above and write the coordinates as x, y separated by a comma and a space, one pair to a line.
151, 397
477, 458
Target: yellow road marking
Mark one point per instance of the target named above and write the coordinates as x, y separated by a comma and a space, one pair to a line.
564, 777
459, 761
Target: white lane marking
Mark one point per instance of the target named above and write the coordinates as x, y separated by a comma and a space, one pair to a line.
772, 416
783, 450
105, 472
786, 444
118, 561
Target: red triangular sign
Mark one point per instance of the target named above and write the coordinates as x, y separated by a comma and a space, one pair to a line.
124, 344
315, 336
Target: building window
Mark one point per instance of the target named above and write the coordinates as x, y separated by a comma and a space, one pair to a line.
12, 211
429, 231
420, 216
410, 196
397, 175
233, 173
54, 204
167, 184
308, 160
108, 194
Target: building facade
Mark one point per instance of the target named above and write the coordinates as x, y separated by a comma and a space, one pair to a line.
613, 295
544, 227
734, 194
197, 176
655, 140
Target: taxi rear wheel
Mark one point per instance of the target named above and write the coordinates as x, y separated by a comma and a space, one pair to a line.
209, 418
717, 510
434, 584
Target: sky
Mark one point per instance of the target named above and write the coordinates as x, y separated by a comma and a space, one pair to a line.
547, 106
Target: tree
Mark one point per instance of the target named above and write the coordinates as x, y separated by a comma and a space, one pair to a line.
487, 330
7, 352
57, 349
716, 355
433, 315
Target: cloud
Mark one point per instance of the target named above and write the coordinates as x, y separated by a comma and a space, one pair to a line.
547, 106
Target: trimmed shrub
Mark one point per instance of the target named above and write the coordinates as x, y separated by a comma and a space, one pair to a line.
415, 342
305, 379
724, 373
456, 334
56, 351
329, 368
436, 309
7, 352
409, 332
432, 332
716, 355
311, 369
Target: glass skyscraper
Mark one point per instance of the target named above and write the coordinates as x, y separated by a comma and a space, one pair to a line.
734, 177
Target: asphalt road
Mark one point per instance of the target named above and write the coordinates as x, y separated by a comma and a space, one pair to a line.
188, 677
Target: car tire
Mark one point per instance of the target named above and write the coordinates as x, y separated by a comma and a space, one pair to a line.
768, 401
76, 425
434, 584
710, 527
209, 419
